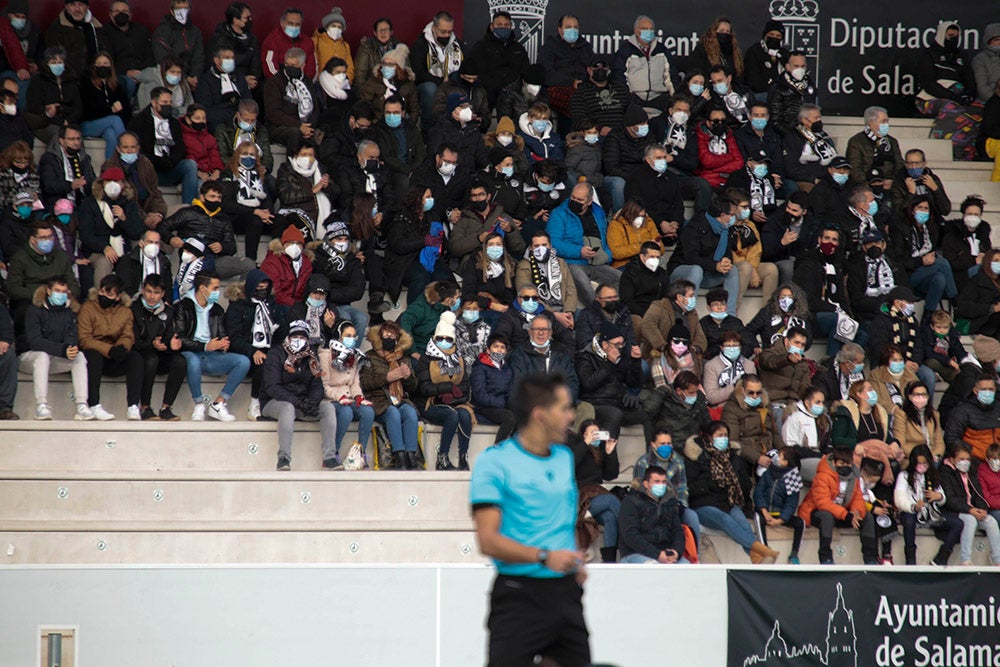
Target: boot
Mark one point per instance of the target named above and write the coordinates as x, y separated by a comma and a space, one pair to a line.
911, 555
942, 557
761, 554
869, 551
609, 554
463, 462
443, 463
399, 461
411, 461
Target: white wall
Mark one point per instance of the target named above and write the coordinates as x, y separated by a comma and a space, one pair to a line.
344, 615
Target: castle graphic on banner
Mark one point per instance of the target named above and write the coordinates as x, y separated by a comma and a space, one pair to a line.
841, 643
528, 18
800, 18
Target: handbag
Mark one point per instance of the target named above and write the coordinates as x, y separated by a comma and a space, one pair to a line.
356, 459
847, 327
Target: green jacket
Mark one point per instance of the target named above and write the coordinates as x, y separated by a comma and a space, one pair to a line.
30, 269
861, 153
225, 136
421, 318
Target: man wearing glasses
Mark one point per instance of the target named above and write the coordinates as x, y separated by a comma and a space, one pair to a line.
747, 413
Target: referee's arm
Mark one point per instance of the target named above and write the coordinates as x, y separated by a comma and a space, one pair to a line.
491, 543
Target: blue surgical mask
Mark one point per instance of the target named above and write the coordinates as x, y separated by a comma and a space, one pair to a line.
872, 397
248, 162
909, 309
897, 367
921, 217
293, 31
720, 88
228, 65
18, 24
213, 297
696, 89
744, 213
795, 349
647, 35
147, 305
591, 138
494, 252
444, 345
658, 490
986, 396
883, 129
718, 317
46, 246
817, 410
914, 172
692, 301
173, 79
58, 299
546, 187
24, 211
388, 71
503, 34
246, 127
64, 218
428, 204
507, 171
721, 442
758, 123
394, 119
690, 400
350, 342
57, 69
760, 170
458, 304
315, 303
660, 165
995, 268
470, 316
642, 130
858, 369
539, 126
571, 35
664, 451
731, 353
753, 401
529, 305
129, 158
873, 207
841, 179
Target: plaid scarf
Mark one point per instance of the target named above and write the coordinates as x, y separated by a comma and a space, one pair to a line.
293, 358
724, 475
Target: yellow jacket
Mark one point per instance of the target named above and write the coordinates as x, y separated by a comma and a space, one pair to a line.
624, 240
326, 48
752, 252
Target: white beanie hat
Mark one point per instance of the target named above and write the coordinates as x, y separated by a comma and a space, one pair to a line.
446, 325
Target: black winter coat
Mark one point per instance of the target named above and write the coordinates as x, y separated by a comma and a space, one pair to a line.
565, 63
623, 153
865, 307
937, 63
500, 61
524, 360
45, 89
186, 321
404, 234
149, 325
291, 387
792, 145
97, 102
129, 269
15, 232
220, 107
240, 316
648, 526
192, 221
760, 69
295, 191
48, 329
750, 144
130, 49
513, 326
703, 490
774, 229
144, 127
94, 233
52, 176
784, 102
388, 142
956, 247
696, 244
246, 50
351, 180
955, 498
902, 233
880, 334
472, 153
491, 386
593, 465
811, 277
976, 301
345, 272
828, 200
659, 194
587, 324
446, 195
639, 287
603, 383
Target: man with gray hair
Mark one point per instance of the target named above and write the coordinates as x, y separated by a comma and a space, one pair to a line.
290, 102
848, 367
873, 148
579, 230
244, 127
643, 64
366, 174
807, 149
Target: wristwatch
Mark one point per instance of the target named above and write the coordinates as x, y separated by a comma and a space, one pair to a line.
543, 555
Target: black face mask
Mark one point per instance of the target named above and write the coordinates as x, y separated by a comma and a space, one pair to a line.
611, 307
248, 27
389, 344
103, 72
19, 170
874, 252
479, 206
951, 43
121, 20
817, 126
293, 72
772, 43
725, 39
72, 152
599, 75
198, 127
211, 206
106, 302
717, 127
576, 207
443, 41
359, 133
262, 294
371, 166
844, 471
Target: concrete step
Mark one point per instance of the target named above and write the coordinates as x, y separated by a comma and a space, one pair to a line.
901, 128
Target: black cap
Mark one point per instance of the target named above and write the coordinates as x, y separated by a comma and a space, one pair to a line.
901, 293
840, 162
760, 156
875, 174
599, 62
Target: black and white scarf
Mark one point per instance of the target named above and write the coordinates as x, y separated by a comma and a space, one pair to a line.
736, 106
186, 274
451, 364
731, 371
782, 323
263, 325
883, 149
801, 87
745, 235
818, 147
761, 191
314, 318
898, 322
717, 143
879, 280
250, 190
342, 359
547, 278
920, 241
845, 381
297, 93
866, 223
676, 138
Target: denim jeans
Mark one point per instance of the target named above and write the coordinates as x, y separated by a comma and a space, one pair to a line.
989, 526
109, 127
365, 416
690, 519
616, 186
639, 559
933, 282
583, 274
826, 324
426, 92
234, 366
696, 274
450, 420
358, 318
734, 524
604, 509
401, 423
185, 174
949, 534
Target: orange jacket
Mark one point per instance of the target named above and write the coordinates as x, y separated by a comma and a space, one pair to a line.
823, 494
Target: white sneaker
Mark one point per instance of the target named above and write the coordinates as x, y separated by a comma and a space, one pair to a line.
101, 414
221, 412
254, 411
133, 413
43, 412
83, 413
199, 412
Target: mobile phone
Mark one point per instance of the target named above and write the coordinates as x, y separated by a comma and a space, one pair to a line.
603, 436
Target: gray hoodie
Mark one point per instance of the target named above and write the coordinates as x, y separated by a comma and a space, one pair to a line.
986, 64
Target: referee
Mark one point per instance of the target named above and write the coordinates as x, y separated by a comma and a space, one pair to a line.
524, 503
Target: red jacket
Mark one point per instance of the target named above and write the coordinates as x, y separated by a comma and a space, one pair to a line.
12, 46
990, 481
716, 168
272, 52
202, 148
823, 495
288, 288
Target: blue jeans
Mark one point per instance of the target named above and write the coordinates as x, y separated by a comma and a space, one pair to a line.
926, 375
933, 282
734, 524
616, 186
604, 509
130, 85
973, 270
639, 559
826, 324
450, 420
696, 274
401, 423
109, 127
365, 416
234, 366
185, 173
426, 92
358, 318
690, 519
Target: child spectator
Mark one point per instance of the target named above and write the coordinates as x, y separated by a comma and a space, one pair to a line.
878, 502
492, 381
964, 498
583, 153
835, 499
718, 321
541, 142
943, 349
989, 479
920, 500
776, 497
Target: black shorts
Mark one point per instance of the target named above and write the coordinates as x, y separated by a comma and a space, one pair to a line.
531, 617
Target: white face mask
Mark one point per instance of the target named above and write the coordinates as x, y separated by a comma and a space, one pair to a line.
10, 109
679, 117
653, 263
182, 15
304, 163
340, 78
341, 246
994, 464
465, 114
297, 344
187, 257
294, 251
638, 221
335, 32
446, 168
799, 73
151, 250
972, 221
532, 89
505, 139
112, 189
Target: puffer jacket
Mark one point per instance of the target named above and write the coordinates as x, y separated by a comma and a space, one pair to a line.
241, 312
295, 190
289, 287
548, 146
956, 497
974, 424
623, 153
986, 64
186, 322
340, 383
753, 427
603, 383
373, 374
93, 231
703, 490
491, 384
956, 247
649, 525
369, 56
193, 221
325, 48
771, 494
183, 43
246, 50
472, 154
277, 43
149, 325
501, 61
784, 101
28, 269
100, 329
565, 63
431, 391
74, 39
584, 160
345, 272
673, 414
824, 491
47, 328
647, 76
293, 387
202, 148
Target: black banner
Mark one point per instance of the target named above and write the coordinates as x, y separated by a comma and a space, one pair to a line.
863, 619
859, 52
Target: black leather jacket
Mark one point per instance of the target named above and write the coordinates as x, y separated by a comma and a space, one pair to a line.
186, 321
